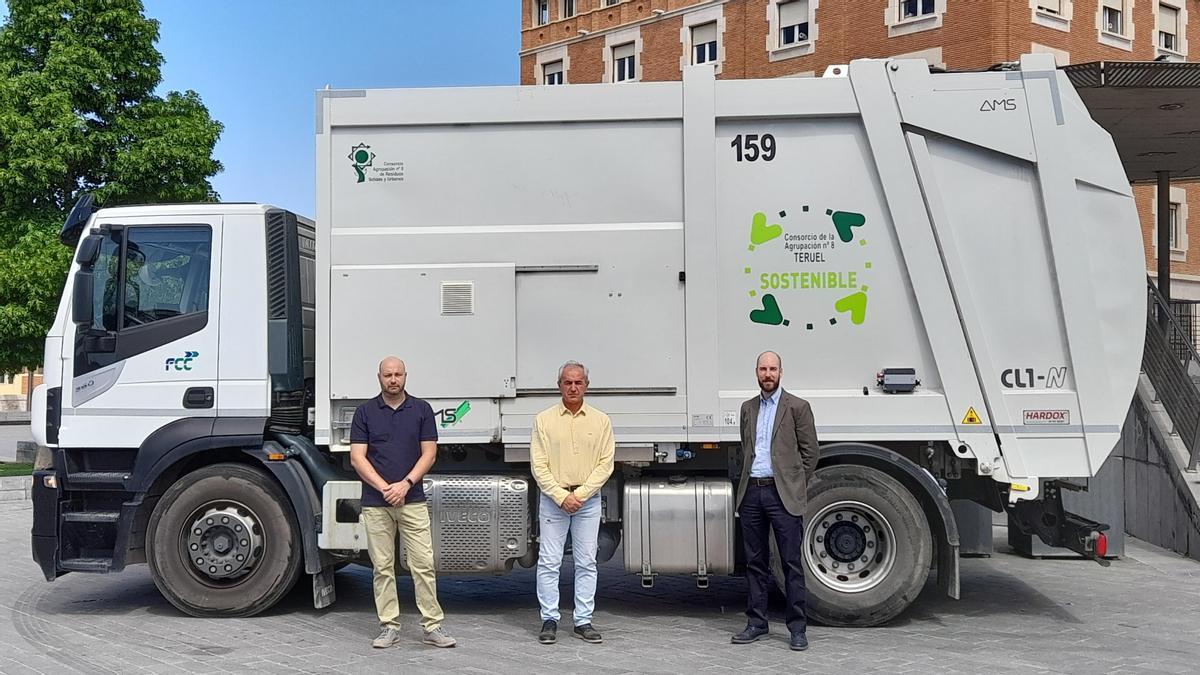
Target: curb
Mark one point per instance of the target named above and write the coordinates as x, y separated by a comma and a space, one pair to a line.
15, 488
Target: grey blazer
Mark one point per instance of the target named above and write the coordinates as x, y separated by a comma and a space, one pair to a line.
794, 450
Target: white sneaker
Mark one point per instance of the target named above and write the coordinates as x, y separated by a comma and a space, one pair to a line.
388, 636
438, 638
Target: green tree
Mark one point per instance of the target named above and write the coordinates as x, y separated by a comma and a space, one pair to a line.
78, 113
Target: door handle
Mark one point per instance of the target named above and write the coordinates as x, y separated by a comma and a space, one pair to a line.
198, 397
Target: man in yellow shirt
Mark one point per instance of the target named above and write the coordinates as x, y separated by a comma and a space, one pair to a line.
571, 450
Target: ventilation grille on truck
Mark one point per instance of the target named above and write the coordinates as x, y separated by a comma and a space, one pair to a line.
458, 298
277, 233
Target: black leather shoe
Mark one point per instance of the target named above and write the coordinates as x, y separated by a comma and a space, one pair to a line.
586, 633
799, 642
548, 636
750, 634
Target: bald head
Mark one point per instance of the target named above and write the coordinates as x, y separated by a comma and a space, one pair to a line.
770, 357
390, 362
392, 377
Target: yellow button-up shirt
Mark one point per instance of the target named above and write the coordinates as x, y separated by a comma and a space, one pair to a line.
571, 449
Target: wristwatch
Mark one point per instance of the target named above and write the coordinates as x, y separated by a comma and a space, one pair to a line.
409, 481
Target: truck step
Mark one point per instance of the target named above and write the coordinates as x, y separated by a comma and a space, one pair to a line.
97, 479
87, 564
91, 516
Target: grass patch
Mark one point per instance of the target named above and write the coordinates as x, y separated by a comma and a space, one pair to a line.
14, 469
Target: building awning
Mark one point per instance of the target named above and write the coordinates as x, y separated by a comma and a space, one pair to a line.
1151, 109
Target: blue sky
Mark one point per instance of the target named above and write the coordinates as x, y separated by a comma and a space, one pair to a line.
256, 64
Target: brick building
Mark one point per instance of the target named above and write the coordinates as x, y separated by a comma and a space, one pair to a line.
594, 41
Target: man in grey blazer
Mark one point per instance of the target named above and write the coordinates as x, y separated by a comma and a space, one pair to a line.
779, 444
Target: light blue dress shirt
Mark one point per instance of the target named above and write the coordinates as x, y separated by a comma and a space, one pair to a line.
761, 468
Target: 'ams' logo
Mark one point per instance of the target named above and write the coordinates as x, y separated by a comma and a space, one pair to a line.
992, 105
182, 363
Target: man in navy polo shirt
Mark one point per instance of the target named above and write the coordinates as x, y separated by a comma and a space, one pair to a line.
393, 442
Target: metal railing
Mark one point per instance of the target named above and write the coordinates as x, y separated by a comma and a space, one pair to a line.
1187, 313
1170, 360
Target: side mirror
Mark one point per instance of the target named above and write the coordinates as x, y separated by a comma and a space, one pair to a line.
81, 298
89, 250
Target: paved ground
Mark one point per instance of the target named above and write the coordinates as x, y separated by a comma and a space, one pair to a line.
1017, 615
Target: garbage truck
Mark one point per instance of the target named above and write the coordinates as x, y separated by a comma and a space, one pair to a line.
948, 264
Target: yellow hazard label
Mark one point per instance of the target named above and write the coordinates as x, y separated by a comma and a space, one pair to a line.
972, 417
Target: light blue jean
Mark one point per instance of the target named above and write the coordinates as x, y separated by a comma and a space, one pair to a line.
584, 528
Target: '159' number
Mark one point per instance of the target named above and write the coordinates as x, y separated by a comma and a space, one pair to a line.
751, 147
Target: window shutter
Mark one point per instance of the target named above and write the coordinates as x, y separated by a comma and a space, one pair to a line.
1168, 19
552, 68
704, 33
622, 51
792, 13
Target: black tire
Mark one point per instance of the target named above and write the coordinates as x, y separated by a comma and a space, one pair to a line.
846, 489
274, 555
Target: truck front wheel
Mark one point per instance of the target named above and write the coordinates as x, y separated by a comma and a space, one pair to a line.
867, 547
221, 542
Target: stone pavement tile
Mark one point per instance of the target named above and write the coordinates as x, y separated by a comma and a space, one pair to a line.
13, 667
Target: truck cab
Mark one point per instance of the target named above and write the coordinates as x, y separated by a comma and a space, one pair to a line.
181, 341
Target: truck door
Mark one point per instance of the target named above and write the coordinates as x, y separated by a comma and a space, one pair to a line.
143, 352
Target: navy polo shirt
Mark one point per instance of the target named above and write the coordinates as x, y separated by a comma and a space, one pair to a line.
393, 439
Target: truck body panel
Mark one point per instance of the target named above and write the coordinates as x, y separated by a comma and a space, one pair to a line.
948, 265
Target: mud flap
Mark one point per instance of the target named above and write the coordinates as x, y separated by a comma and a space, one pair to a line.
947, 569
324, 593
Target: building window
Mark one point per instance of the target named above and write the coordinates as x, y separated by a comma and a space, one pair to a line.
1050, 6
1054, 14
552, 73
610, 3
623, 63
1114, 23
552, 65
793, 23
1113, 17
1168, 27
704, 43
568, 9
1171, 28
1173, 234
792, 28
1177, 223
905, 17
541, 12
700, 37
915, 9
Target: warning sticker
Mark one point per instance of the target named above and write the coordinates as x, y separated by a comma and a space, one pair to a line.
972, 417
1047, 416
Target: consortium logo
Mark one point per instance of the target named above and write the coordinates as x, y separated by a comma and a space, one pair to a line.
361, 157
809, 269
368, 170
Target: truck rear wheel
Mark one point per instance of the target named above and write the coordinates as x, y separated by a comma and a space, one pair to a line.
867, 547
222, 542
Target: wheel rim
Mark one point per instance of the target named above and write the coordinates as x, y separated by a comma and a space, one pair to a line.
222, 543
849, 547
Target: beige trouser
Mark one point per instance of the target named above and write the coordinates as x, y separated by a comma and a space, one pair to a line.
413, 522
